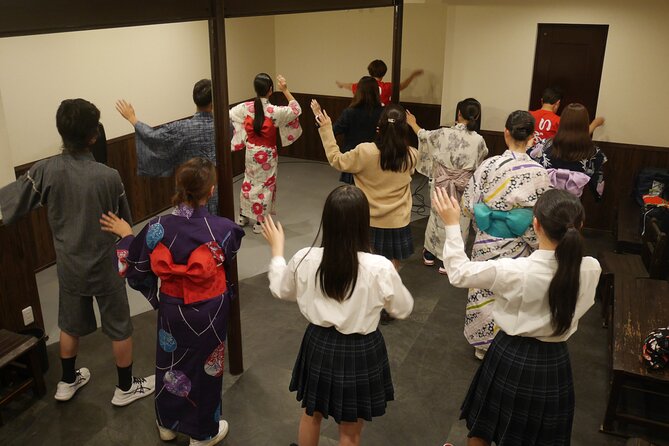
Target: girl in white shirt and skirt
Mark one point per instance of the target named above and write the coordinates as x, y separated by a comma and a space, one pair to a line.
342, 367
523, 392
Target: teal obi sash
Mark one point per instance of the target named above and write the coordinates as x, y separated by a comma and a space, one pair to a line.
502, 224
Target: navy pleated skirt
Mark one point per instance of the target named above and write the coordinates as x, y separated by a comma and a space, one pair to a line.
522, 394
343, 376
395, 243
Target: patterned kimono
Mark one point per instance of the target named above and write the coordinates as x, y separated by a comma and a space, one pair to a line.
448, 156
162, 149
572, 176
508, 181
190, 251
259, 187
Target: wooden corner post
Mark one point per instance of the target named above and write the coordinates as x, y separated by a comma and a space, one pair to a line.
226, 202
398, 17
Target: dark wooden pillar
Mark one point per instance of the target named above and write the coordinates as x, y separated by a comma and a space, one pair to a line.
226, 202
398, 17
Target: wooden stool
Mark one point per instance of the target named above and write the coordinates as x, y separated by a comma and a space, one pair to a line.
12, 347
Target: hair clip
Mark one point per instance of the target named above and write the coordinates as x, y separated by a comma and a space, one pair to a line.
391, 120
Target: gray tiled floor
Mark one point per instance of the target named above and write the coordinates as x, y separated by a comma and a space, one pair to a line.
431, 362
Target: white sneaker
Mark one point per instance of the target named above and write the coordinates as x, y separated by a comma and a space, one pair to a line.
222, 432
65, 391
479, 353
165, 433
257, 229
140, 388
242, 221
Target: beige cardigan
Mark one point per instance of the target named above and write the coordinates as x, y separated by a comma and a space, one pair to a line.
388, 193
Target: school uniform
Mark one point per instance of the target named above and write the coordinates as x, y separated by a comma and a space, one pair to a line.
388, 193
342, 368
523, 392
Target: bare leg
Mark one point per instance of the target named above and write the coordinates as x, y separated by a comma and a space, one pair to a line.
349, 433
476, 441
69, 345
310, 429
122, 352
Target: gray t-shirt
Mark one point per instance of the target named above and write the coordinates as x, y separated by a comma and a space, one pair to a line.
77, 190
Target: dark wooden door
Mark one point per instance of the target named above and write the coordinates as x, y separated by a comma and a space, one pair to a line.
570, 57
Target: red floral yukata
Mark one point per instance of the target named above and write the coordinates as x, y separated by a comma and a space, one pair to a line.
258, 192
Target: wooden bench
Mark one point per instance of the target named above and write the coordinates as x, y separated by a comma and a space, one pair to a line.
652, 263
640, 306
13, 346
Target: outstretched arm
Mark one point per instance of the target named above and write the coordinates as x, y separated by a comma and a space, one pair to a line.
411, 120
283, 87
344, 85
597, 122
405, 83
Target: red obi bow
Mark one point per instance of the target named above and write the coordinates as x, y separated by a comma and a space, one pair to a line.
201, 279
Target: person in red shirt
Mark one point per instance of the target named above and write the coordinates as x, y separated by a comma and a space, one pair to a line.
546, 120
377, 69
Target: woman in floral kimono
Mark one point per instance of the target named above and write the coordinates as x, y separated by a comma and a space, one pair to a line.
190, 251
254, 127
499, 198
448, 156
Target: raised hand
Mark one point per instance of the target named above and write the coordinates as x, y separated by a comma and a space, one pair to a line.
447, 207
273, 233
281, 83
126, 110
315, 107
110, 222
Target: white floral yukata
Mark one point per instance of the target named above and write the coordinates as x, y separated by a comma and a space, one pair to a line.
448, 156
258, 192
508, 181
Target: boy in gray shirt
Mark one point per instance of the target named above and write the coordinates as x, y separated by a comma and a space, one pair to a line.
77, 190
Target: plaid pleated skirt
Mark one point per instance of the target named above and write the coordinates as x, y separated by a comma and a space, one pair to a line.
343, 376
522, 394
395, 243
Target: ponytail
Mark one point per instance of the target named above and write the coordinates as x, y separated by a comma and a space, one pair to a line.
560, 215
259, 117
262, 84
563, 290
392, 140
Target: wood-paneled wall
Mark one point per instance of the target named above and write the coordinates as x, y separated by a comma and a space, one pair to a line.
18, 288
624, 163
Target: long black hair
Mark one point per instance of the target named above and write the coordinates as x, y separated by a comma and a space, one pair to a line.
561, 216
367, 94
345, 226
392, 139
470, 110
262, 84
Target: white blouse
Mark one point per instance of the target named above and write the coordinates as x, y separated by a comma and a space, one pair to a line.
378, 287
520, 287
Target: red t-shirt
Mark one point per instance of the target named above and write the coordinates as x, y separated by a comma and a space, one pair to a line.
385, 91
546, 124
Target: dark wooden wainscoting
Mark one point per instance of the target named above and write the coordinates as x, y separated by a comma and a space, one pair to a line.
624, 163
18, 288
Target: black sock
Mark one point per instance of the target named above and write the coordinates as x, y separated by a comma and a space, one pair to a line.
69, 373
124, 377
